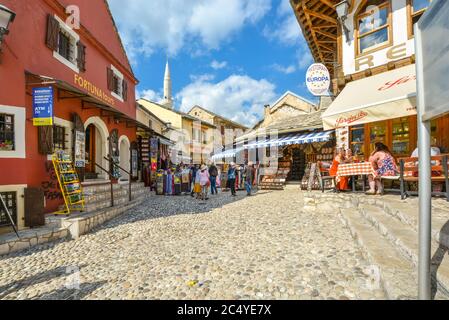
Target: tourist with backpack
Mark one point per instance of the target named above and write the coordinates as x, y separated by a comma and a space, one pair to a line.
213, 173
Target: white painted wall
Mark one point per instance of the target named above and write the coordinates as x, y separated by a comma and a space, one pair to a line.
400, 22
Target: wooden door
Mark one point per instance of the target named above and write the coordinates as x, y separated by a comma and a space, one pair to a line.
90, 149
34, 207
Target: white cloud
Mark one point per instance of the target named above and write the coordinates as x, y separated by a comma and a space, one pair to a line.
149, 95
218, 65
202, 77
239, 97
172, 25
286, 70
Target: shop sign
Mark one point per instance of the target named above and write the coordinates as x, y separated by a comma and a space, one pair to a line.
92, 89
80, 149
318, 79
43, 106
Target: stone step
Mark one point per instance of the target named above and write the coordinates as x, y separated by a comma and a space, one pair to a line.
405, 240
104, 195
91, 189
118, 200
397, 275
409, 215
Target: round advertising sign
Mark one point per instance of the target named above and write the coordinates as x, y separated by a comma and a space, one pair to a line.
318, 79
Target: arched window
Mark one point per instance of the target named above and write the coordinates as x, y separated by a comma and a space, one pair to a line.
416, 10
373, 26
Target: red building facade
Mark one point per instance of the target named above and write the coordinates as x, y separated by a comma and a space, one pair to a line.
72, 46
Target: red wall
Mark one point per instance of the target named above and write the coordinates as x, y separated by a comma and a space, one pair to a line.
24, 49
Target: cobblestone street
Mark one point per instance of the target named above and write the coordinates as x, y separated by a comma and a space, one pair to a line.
262, 247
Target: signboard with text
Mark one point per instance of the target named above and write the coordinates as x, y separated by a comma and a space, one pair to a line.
318, 79
43, 106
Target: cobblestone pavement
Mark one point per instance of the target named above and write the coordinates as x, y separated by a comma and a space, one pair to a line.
262, 247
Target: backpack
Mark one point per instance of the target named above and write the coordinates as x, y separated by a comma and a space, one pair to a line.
231, 174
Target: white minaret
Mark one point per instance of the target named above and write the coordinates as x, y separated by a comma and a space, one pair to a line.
168, 99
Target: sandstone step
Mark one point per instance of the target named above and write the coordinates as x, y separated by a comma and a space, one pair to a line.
409, 215
405, 240
120, 200
105, 187
396, 273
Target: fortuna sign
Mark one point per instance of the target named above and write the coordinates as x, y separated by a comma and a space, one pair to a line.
318, 79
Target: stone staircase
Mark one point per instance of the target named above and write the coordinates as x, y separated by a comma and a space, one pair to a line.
386, 229
99, 196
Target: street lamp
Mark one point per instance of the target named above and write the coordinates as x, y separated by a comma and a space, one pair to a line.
6, 17
342, 13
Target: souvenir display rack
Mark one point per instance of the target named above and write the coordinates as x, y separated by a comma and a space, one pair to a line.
69, 183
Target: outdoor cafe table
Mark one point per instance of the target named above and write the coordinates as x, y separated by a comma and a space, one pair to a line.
355, 169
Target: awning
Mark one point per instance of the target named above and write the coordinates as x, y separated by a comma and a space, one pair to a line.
297, 138
227, 154
75, 93
388, 95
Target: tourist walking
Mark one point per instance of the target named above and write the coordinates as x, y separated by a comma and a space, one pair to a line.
213, 172
197, 188
249, 177
204, 178
384, 164
193, 172
232, 172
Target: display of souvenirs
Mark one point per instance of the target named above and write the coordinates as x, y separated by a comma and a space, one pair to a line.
68, 182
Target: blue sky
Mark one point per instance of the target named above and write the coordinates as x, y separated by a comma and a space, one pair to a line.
229, 56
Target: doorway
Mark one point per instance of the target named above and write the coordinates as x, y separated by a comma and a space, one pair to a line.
91, 151
125, 157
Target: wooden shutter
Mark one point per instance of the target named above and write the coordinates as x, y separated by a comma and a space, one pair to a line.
125, 90
110, 77
81, 56
34, 207
45, 140
52, 33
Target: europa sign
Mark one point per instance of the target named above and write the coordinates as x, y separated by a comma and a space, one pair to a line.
318, 79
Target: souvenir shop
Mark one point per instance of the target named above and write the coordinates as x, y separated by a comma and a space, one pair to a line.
154, 155
296, 151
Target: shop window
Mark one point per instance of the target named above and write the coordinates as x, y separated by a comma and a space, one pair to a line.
204, 137
358, 140
417, 9
10, 199
59, 136
6, 132
378, 133
64, 46
401, 137
373, 26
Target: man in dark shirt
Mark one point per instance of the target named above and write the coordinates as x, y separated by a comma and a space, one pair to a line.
213, 173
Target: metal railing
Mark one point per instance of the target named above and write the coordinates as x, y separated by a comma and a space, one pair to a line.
110, 178
112, 163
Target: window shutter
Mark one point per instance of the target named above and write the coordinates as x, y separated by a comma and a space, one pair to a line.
46, 140
81, 56
52, 33
125, 90
110, 75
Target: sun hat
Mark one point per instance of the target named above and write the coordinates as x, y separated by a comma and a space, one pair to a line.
203, 167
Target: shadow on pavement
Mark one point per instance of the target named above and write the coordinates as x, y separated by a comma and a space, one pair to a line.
438, 258
45, 276
72, 294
